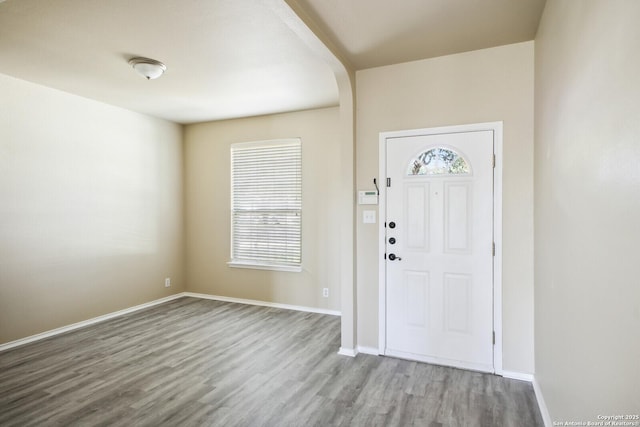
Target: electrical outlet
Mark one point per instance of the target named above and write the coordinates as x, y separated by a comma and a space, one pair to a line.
325, 292
167, 282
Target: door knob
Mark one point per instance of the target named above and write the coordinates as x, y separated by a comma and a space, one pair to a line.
393, 257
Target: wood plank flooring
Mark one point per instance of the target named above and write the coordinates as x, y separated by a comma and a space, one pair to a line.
193, 362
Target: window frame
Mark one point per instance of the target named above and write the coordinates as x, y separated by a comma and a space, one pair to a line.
262, 264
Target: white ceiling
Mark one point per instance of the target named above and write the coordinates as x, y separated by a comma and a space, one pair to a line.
381, 32
225, 58
235, 58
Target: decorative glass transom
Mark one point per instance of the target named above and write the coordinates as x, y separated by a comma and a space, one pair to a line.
438, 161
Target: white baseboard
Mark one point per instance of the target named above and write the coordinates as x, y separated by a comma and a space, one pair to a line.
263, 303
517, 376
82, 324
368, 350
94, 320
544, 411
347, 352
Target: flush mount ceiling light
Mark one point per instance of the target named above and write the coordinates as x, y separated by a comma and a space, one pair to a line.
149, 68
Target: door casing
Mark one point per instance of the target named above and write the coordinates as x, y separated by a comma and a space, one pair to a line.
496, 127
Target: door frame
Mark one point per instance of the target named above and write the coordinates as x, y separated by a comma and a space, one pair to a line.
496, 128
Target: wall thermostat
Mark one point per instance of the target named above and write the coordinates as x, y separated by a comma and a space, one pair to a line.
368, 197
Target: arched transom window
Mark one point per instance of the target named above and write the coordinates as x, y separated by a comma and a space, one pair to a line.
439, 161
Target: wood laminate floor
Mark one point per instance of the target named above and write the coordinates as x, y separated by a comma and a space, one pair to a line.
193, 362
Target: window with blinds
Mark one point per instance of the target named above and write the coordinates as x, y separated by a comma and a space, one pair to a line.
266, 204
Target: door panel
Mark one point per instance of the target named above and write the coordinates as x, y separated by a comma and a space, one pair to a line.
439, 287
417, 217
457, 217
417, 283
457, 297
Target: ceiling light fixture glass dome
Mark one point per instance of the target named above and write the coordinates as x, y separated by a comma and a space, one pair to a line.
149, 68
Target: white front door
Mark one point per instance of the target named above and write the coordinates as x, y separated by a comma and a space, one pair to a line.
439, 249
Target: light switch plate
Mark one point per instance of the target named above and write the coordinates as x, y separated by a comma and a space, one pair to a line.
369, 217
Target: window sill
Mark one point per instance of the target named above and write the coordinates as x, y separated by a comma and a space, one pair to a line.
256, 266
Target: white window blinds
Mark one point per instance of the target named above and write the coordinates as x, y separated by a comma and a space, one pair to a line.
266, 208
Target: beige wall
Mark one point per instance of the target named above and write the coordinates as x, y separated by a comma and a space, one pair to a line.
587, 181
207, 157
481, 86
90, 212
